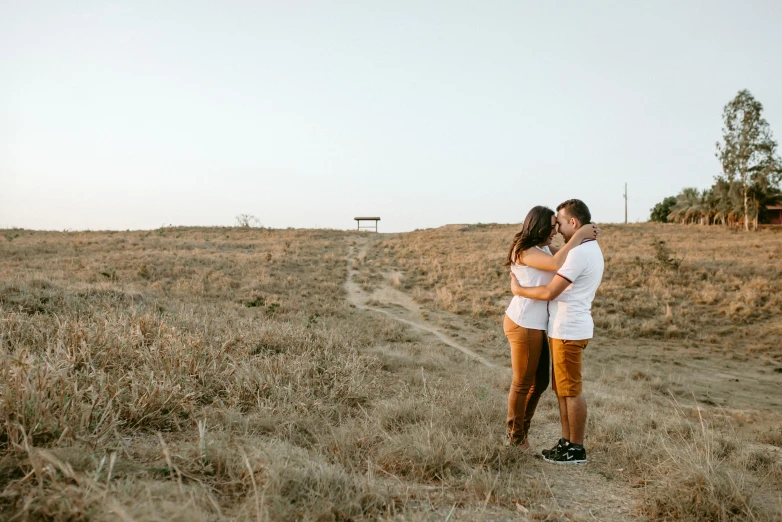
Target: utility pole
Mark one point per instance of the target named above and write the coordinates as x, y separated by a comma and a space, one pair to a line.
625, 195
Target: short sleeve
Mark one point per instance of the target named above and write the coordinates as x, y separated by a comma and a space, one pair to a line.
574, 265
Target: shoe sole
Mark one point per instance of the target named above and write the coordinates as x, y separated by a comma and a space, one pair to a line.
566, 462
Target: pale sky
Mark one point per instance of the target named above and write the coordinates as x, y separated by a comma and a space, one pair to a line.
131, 115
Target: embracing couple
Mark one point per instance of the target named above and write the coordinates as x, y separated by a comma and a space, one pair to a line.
549, 321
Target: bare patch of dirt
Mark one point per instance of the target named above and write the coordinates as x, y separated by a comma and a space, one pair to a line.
406, 310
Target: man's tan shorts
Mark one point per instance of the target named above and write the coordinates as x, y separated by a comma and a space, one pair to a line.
566, 363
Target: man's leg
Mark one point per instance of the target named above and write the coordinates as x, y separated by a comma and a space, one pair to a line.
576, 404
575, 418
549, 453
558, 377
566, 356
564, 417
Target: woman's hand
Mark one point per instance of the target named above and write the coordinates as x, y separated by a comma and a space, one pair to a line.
514, 284
590, 231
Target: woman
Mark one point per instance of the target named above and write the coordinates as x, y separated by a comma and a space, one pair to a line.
534, 263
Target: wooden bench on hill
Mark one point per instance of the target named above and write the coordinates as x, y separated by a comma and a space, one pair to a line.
360, 219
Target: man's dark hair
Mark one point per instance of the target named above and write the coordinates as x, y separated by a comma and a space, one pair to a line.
575, 208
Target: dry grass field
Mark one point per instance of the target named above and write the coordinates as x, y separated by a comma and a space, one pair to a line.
255, 374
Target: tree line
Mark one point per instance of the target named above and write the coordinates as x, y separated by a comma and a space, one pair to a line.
750, 179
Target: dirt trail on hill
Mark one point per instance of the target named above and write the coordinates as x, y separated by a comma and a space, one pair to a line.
406, 310
591, 492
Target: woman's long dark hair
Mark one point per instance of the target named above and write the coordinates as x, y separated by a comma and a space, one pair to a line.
535, 230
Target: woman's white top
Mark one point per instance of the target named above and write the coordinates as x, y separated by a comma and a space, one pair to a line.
530, 313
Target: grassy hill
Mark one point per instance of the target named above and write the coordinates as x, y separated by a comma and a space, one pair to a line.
234, 374
709, 286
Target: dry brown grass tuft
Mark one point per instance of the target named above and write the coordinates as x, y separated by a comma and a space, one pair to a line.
700, 477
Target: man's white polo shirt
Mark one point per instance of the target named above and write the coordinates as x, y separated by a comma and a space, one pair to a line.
570, 314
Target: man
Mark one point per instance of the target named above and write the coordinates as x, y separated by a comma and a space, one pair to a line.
570, 327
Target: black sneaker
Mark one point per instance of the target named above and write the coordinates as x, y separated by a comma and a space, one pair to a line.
561, 445
572, 454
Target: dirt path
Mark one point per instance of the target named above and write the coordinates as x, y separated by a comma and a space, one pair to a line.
406, 310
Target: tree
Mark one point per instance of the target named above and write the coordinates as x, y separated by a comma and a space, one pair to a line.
726, 202
688, 207
661, 210
708, 206
748, 151
247, 221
